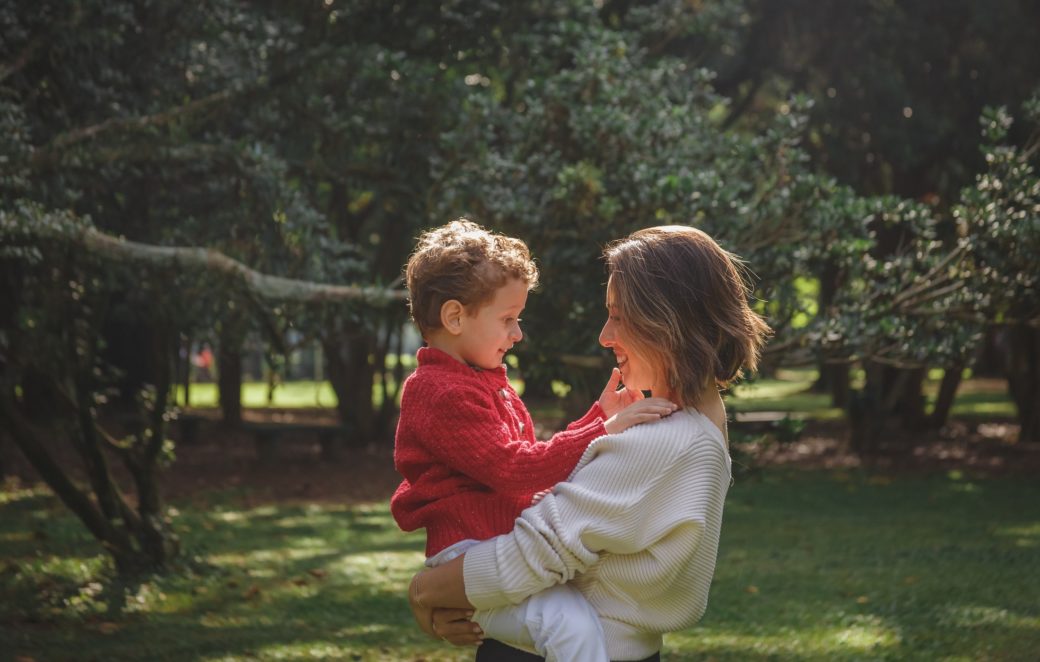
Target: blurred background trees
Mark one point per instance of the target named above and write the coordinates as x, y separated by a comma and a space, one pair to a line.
836, 147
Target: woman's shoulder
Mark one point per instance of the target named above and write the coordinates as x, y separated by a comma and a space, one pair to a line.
684, 427
686, 431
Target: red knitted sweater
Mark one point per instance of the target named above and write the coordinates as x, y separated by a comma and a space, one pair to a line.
466, 448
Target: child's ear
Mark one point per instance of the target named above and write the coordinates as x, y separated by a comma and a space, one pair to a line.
451, 316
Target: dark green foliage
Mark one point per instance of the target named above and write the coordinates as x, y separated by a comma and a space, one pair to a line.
315, 140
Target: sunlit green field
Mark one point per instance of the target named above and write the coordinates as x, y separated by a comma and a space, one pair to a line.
812, 566
789, 391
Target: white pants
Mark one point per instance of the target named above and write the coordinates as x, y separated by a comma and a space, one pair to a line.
558, 623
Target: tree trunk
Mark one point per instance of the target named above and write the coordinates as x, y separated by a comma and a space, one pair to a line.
1022, 367
393, 344
834, 377
113, 532
351, 374
229, 372
909, 399
866, 412
184, 364
947, 392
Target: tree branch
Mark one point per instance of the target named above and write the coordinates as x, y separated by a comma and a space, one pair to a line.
69, 138
23, 58
207, 259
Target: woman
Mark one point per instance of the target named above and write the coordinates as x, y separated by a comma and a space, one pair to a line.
636, 526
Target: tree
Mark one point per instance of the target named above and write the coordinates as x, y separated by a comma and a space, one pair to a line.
594, 133
1000, 216
65, 281
128, 117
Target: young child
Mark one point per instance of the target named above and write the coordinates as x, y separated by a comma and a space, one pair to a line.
465, 442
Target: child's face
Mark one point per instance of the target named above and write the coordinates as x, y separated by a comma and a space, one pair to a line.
492, 330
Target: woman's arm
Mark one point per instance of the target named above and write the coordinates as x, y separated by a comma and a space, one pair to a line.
442, 586
635, 491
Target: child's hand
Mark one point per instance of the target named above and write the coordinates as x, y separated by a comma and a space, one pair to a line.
538, 496
612, 400
642, 411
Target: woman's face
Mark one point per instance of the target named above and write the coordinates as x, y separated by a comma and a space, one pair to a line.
637, 369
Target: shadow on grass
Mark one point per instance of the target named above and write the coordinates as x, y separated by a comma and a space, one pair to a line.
813, 565
266, 581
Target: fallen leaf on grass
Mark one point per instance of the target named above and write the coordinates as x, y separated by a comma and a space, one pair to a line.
751, 589
253, 592
318, 573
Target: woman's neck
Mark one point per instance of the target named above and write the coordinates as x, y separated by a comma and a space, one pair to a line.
711, 405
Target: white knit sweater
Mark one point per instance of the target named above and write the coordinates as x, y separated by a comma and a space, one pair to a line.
636, 530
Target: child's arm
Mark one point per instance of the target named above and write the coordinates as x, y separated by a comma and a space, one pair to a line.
466, 433
464, 430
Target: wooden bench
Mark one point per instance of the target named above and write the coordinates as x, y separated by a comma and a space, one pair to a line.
267, 437
784, 425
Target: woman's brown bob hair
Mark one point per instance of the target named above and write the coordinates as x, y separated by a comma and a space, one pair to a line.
684, 300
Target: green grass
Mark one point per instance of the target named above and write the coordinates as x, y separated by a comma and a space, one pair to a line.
789, 391
254, 394
812, 566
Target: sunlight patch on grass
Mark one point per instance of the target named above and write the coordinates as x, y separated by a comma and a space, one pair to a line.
866, 636
1028, 530
764, 389
255, 395
312, 650
231, 516
845, 566
979, 616
1026, 536
11, 492
16, 537
381, 571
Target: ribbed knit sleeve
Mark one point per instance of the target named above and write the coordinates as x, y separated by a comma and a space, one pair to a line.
640, 516
475, 441
593, 416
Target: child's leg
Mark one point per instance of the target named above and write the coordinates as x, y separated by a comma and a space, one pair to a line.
557, 623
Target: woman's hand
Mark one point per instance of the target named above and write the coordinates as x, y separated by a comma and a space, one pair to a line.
423, 614
612, 400
646, 410
444, 585
454, 627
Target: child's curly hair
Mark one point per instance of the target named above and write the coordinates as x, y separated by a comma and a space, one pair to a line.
465, 262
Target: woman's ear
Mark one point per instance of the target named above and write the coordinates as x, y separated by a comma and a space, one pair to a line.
451, 316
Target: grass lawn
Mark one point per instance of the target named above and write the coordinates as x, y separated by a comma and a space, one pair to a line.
813, 566
788, 391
